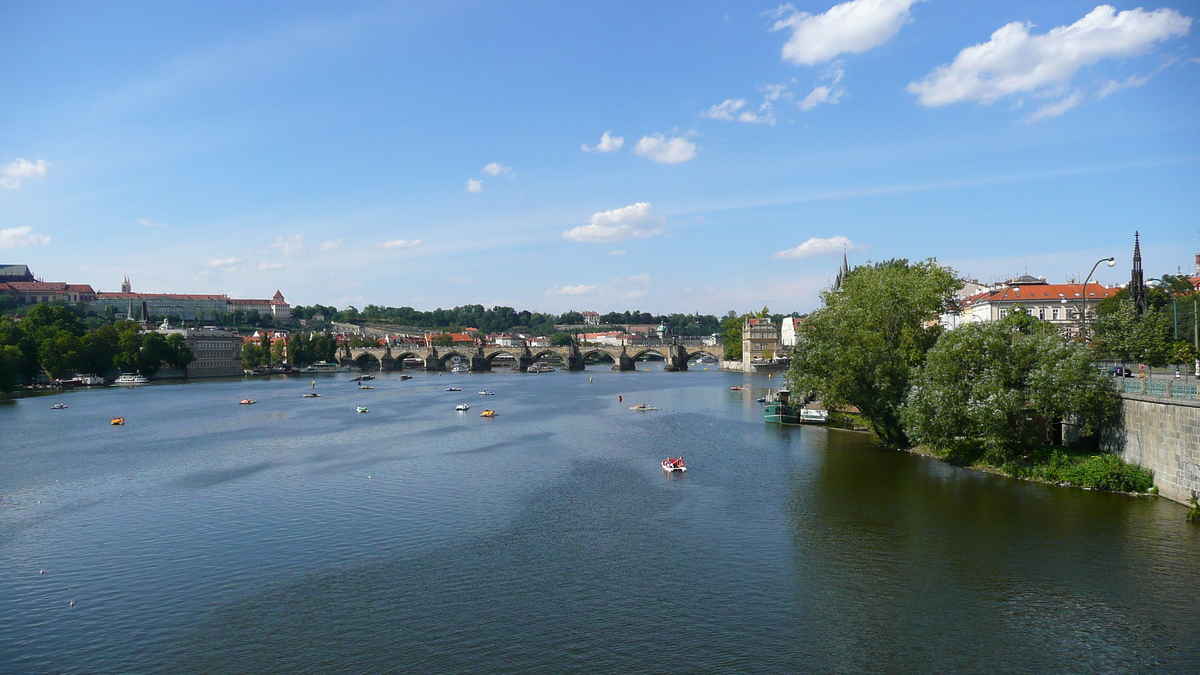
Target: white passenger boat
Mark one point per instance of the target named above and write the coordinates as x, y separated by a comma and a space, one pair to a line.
462, 407
131, 378
673, 464
540, 368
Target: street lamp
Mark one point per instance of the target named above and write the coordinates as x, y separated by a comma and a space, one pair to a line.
1112, 262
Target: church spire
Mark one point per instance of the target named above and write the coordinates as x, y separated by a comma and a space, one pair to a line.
842, 273
1137, 286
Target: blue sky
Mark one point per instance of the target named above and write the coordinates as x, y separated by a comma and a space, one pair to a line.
436, 154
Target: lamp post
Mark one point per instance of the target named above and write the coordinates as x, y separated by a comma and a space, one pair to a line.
1112, 262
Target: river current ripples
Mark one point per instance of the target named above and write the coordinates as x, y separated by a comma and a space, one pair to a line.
298, 536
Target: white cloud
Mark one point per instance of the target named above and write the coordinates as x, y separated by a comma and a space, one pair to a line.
665, 150
221, 262
628, 222
14, 237
726, 110
634, 295
635, 279
399, 243
816, 247
21, 168
475, 186
819, 95
571, 290
1015, 62
270, 266
619, 251
774, 92
1051, 110
289, 246
150, 223
497, 169
608, 143
331, 244
849, 28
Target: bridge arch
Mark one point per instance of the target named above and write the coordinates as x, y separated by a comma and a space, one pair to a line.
514, 354
448, 357
366, 361
650, 350
606, 356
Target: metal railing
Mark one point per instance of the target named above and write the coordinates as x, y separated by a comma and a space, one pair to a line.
1181, 389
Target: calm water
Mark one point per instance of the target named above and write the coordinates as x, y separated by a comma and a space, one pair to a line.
296, 536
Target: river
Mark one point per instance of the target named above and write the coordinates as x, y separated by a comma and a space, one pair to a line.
297, 536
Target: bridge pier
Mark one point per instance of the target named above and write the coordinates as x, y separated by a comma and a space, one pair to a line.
479, 362
575, 359
525, 360
625, 361
432, 362
677, 358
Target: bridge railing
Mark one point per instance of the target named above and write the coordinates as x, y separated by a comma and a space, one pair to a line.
1178, 389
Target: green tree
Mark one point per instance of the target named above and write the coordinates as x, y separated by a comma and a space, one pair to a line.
278, 350
862, 348
58, 354
252, 355
264, 341
731, 335
10, 368
561, 339
997, 383
179, 355
443, 340
153, 354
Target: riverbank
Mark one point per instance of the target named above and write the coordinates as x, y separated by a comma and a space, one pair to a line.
1054, 464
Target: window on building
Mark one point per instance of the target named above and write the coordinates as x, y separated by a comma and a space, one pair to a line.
1054, 313
1042, 313
1003, 313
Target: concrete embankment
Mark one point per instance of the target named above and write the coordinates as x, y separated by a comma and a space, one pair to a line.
1161, 434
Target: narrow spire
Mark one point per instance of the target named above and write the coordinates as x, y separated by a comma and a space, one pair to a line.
1137, 285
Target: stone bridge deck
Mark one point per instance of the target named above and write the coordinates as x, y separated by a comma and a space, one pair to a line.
481, 358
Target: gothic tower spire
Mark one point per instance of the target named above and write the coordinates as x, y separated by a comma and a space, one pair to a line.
1137, 286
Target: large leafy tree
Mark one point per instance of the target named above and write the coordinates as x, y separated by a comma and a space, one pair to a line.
997, 383
862, 348
10, 368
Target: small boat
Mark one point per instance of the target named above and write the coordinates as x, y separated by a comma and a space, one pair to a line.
462, 407
453, 388
365, 386
59, 406
362, 378
311, 394
89, 380
540, 368
814, 416
737, 388
117, 421
486, 392
131, 378
673, 464
488, 413
405, 377
247, 401
363, 409
643, 406
460, 369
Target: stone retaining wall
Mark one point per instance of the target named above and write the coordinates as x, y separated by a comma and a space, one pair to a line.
1163, 435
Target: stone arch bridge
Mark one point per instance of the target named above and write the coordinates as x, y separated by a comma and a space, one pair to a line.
480, 358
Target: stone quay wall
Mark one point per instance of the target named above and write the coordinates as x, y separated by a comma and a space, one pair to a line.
1163, 435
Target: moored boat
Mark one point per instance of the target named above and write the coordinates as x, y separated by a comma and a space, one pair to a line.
642, 406
453, 388
363, 409
540, 368
311, 394
462, 407
487, 392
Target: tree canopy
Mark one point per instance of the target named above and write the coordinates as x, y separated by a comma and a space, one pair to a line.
862, 348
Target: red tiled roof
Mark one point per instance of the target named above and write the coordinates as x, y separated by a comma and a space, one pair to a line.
148, 296
48, 286
1043, 293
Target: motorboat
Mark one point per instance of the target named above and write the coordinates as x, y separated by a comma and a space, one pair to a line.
365, 386
643, 406
311, 394
540, 368
118, 421
486, 392
405, 377
462, 407
488, 413
460, 369
737, 388
453, 388
59, 406
363, 409
814, 416
362, 378
247, 401
131, 378
673, 464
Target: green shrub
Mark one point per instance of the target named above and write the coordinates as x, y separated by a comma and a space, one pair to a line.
1101, 472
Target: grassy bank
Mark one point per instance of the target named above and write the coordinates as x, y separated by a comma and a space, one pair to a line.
1054, 464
